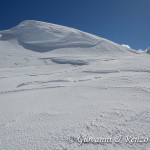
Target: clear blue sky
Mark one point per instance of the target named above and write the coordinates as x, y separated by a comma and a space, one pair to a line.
121, 21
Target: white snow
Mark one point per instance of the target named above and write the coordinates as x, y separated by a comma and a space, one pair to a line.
148, 50
125, 45
57, 82
44, 37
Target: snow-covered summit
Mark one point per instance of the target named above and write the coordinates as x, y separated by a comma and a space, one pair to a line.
43, 37
81, 87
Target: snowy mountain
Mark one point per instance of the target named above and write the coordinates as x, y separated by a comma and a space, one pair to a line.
43, 37
54, 40
64, 89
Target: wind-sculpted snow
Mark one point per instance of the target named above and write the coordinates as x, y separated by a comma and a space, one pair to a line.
43, 37
68, 61
61, 87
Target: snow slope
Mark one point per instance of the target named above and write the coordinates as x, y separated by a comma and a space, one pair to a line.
43, 37
58, 83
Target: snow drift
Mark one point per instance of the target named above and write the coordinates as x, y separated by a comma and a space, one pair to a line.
43, 37
57, 82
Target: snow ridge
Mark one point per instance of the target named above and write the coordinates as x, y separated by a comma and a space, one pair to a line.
44, 37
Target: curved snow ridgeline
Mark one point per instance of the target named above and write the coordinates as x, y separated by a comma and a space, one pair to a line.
43, 37
59, 84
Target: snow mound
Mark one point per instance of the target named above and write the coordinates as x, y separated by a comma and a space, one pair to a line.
44, 37
126, 45
68, 61
148, 50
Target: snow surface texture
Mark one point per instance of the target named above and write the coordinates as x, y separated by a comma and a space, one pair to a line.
57, 81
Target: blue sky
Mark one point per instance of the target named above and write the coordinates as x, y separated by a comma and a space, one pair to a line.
121, 21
